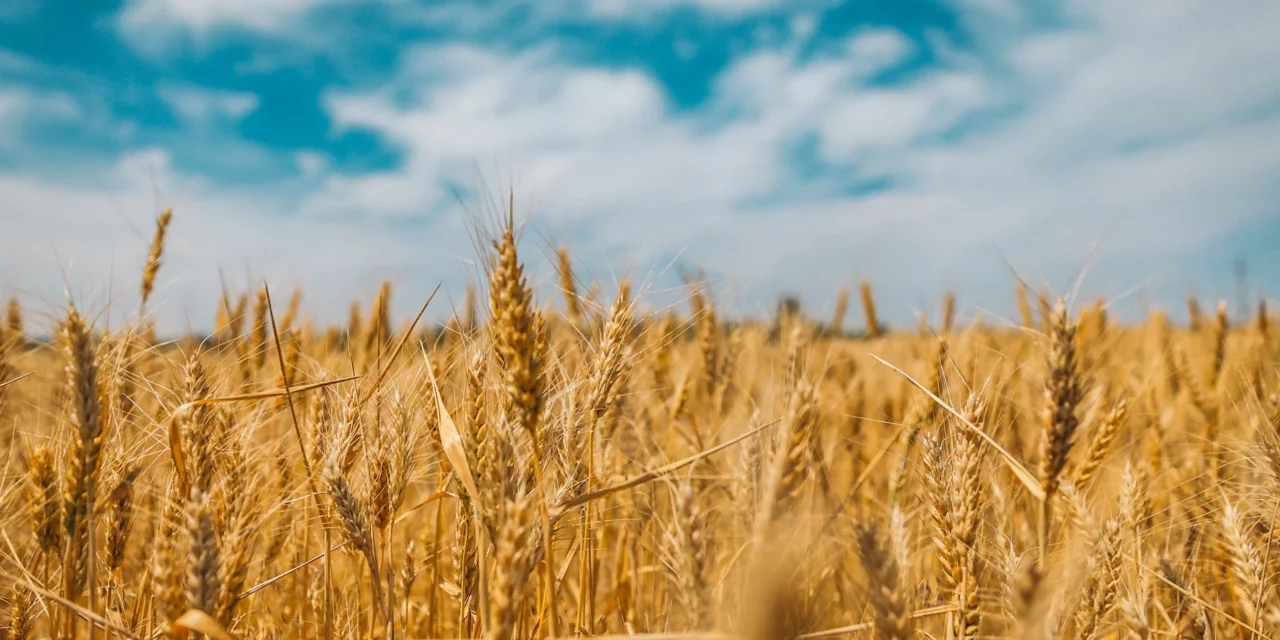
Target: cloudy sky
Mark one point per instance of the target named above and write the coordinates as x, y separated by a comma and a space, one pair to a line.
780, 146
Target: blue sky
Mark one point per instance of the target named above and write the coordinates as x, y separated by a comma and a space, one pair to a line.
779, 146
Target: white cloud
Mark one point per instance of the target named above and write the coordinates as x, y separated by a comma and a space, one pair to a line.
879, 119
546, 119
624, 8
199, 105
22, 109
803, 26
20, 103
877, 49
311, 163
152, 25
202, 16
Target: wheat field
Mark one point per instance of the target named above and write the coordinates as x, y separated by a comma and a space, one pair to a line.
560, 466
